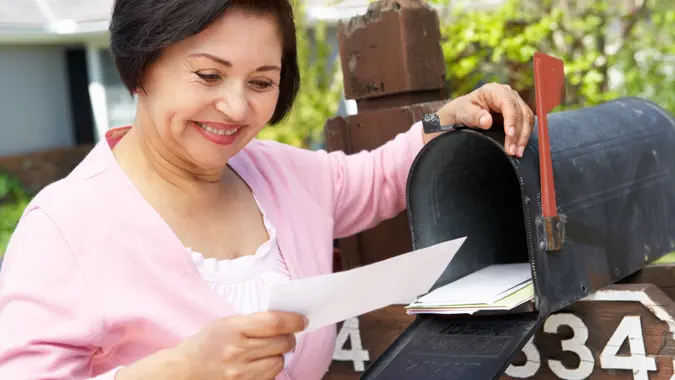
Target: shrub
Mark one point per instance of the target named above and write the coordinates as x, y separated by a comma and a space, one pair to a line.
13, 201
320, 87
610, 49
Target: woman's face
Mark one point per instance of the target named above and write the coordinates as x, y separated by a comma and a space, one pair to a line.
208, 96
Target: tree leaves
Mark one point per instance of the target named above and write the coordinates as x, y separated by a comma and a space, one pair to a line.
320, 87
625, 48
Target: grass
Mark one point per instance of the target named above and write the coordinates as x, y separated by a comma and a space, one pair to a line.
668, 258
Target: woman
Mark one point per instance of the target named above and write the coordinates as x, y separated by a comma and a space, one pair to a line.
154, 257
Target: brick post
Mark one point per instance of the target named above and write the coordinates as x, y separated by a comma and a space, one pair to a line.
393, 67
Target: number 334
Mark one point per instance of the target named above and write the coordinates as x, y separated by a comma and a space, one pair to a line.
630, 328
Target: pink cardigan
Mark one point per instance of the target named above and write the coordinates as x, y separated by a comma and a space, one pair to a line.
94, 279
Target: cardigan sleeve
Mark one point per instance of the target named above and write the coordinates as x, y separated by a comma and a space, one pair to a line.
358, 190
47, 324
370, 186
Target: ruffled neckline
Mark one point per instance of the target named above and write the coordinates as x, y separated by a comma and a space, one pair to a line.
244, 267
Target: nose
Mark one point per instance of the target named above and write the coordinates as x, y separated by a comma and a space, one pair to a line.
233, 102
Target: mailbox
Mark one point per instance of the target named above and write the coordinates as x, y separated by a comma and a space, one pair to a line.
611, 211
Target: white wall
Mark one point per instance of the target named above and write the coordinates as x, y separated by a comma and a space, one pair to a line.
121, 107
34, 99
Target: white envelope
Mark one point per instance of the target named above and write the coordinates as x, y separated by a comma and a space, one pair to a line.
484, 286
332, 298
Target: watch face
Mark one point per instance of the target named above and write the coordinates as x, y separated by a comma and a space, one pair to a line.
431, 118
431, 123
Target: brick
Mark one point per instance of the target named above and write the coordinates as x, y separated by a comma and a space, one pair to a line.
37, 170
394, 48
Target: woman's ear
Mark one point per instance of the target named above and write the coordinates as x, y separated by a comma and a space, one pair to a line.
138, 91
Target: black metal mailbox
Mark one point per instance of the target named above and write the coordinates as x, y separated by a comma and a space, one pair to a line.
615, 197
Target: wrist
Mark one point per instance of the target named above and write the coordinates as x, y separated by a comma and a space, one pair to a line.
447, 115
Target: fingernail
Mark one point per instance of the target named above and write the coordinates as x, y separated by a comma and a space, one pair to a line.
483, 120
513, 149
512, 131
521, 150
306, 321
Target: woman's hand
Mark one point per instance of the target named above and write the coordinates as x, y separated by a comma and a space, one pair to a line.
241, 347
473, 110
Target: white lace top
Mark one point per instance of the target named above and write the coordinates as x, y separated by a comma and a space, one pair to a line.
246, 282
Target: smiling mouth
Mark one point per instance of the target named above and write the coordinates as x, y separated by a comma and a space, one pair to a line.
215, 131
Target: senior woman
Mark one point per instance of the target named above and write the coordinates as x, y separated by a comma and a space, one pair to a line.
154, 258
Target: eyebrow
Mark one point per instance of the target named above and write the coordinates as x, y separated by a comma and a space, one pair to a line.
229, 64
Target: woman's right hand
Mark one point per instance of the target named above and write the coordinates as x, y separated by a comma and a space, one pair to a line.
240, 347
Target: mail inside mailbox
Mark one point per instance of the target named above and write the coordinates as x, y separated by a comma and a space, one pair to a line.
469, 188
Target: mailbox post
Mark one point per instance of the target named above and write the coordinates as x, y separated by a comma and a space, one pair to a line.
393, 68
585, 327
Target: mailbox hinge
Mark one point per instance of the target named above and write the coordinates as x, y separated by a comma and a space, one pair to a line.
551, 232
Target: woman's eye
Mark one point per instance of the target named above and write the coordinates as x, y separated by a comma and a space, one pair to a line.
261, 84
209, 77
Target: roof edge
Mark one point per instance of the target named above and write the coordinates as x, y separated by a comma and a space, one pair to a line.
68, 27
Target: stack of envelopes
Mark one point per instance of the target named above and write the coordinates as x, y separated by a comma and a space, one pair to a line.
496, 287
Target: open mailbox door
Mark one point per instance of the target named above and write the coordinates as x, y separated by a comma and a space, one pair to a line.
611, 211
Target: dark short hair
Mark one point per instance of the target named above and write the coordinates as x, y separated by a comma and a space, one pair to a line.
140, 30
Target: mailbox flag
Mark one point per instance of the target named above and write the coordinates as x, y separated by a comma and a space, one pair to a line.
549, 87
549, 79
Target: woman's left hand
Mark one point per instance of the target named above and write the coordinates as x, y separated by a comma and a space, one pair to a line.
473, 110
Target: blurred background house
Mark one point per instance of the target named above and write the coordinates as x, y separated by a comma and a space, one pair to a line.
58, 84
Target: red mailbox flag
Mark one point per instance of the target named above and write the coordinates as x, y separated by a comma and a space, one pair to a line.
549, 86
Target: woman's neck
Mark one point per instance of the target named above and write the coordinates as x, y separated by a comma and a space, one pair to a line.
153, 168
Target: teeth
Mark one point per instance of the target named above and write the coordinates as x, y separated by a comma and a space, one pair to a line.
218, 132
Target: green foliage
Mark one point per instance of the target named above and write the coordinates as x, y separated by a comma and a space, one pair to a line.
13, 201
634, 38
320, 87
668, 258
